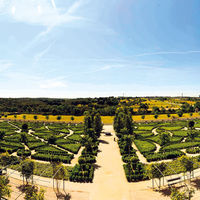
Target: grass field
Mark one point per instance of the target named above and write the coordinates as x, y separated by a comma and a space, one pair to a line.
105, 119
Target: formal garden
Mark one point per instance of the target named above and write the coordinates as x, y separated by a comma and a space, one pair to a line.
50, 144
157, 149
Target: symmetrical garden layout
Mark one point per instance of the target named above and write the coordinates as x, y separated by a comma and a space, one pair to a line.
150, 143
48, 143
160, 142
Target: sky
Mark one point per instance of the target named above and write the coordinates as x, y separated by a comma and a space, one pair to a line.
93, 48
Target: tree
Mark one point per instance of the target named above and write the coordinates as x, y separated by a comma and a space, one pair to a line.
98, 126
72, 118
32, 193
128, 122
118, 122
128, 140
4, 187
156, 171
191, 125
181, 195
2, 134
179, 113
168, 115
156, 116
52, 139
88, 123
25, 128
59, 118
187, 163
87, 142
27, 169
23, 138
47, 117
59, 172
35, 117
165, 138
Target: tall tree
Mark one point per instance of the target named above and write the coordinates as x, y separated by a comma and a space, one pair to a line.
4, 187
88, 123
98, 126
27, 169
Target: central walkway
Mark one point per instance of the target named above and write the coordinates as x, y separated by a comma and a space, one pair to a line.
109, 180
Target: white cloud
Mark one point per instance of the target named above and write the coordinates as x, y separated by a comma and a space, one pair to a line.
108, 67
53, 4
40, 12
52, 84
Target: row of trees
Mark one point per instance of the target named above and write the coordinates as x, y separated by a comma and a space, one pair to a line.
31, 191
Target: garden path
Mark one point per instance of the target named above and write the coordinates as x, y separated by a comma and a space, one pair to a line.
154, 131
140, 156
109, 182
157, 147
109, 179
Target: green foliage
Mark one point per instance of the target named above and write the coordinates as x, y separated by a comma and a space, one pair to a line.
145, 146
53, 157
23, 153
82, 173
32, 193
74, 148
5, 190
27, 169
181, 195
134, 172
180, 146
164, 156
164, 138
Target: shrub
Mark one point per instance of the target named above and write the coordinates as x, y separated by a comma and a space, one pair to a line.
145, 146
163, 156
82, 173
22, 152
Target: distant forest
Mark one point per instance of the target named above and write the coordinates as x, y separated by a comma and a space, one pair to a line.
77, 107
106, 106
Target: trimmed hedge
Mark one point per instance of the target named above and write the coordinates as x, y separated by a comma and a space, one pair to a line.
86, 159
22, 152
164, 156
180, 146
145, 146
74, 148
82, 173
49, 157
134, 172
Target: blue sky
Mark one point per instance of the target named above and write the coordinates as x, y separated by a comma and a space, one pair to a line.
82, 48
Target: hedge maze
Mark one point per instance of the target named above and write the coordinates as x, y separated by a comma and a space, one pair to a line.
157, 142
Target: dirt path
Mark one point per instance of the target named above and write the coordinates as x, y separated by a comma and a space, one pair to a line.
109, 181
140, 156
157, 147
154, 131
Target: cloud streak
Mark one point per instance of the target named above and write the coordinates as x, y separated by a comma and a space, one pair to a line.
167, 53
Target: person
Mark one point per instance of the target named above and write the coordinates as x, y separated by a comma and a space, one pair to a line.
114, 138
